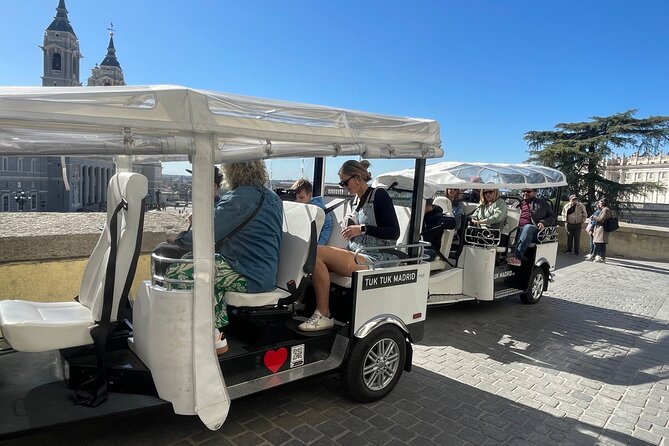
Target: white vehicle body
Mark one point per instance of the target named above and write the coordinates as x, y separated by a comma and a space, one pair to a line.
477, 270
177, 123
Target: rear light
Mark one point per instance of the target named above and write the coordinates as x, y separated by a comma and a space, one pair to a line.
417, 315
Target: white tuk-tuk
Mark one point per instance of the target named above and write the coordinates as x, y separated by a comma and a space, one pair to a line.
156, 348
471, 262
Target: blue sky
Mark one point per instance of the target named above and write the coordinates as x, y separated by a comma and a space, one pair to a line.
488, 71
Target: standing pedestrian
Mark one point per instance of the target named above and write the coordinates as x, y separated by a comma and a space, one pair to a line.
590, 229
600, 237
574, 215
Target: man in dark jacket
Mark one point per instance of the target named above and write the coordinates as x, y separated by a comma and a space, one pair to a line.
535, 215
432, 228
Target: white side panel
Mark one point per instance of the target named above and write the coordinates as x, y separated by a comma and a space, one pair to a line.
549, 252
400, 291
479, 264
447, 282
212, 402
163, 341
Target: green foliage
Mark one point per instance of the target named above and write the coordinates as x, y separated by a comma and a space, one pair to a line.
580, 149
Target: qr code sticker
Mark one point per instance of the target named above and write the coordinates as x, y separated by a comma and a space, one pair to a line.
297, 356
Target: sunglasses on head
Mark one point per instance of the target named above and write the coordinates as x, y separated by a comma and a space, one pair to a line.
344, 183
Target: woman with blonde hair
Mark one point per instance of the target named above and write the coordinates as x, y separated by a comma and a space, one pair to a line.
491, 211
247, 230
372, 223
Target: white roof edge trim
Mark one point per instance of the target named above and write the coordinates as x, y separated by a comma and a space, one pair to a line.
164, 118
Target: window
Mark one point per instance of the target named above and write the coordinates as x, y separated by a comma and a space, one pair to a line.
55, 62
19, 164
33, 165
5, 202
33, 184
33, 201
18, 185
5, 163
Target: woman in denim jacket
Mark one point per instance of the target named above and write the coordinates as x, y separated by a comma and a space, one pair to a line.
248, 261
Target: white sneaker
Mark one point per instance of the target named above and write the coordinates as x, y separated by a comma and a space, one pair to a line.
317, 322
588, 257
598, 259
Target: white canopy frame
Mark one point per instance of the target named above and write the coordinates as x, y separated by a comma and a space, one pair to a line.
134, 123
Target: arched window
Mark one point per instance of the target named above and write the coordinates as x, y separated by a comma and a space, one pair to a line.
55, 62
5, 163
19, 164
33, 201
5, 203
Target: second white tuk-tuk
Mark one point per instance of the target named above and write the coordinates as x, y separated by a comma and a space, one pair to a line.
472, 260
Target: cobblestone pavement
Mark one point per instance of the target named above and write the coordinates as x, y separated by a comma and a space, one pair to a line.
587, 365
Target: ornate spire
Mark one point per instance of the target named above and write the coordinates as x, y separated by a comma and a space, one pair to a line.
61, 21
110, 59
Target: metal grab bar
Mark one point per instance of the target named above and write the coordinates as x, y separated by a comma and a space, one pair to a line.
164, 281
420, 258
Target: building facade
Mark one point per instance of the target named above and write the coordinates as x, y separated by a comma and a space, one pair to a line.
651, 209
639, 168
67, 184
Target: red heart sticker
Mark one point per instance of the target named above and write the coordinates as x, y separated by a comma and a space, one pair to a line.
274, 359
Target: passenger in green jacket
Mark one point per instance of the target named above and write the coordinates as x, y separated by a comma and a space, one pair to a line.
491, 211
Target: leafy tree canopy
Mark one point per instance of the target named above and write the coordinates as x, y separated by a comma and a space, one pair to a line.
579, 150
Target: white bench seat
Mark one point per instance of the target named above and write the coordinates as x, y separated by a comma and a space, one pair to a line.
296, 242
42, 326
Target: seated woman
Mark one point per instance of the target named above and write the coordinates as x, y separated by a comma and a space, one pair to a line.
247, 252
372, 223
491, 211
457, 205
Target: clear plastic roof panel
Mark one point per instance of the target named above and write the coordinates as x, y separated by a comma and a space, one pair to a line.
450, 174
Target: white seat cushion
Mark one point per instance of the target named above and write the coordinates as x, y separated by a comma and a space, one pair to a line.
237, 299
40, 326
344, 281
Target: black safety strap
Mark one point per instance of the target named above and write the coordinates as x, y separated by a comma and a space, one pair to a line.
123, 302
220, 242
96, 393
336, 205
313, 248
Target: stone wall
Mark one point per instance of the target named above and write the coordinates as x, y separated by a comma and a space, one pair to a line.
43, 255
630, 241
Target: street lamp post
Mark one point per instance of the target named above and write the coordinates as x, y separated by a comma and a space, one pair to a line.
20, 199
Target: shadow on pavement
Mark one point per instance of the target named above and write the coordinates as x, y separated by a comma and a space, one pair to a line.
425, 408
589, 341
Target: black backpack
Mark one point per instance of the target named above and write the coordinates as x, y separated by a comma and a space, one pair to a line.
610, 224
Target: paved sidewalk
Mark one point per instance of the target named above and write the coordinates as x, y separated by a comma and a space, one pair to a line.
587, 365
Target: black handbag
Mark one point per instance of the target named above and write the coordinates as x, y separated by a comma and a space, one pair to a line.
610, 224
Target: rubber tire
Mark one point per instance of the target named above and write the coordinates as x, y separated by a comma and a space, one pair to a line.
537, 275
351, 372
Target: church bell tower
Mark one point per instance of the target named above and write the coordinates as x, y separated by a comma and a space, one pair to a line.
61, 52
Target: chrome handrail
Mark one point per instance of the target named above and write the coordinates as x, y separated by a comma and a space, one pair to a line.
167, 283
421, 245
